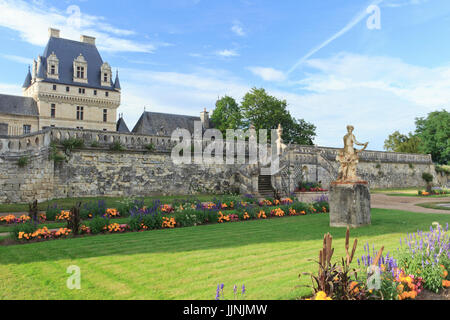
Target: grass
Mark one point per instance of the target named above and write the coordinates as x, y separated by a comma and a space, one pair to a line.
406, 192
189, 263
433, 205
67, 203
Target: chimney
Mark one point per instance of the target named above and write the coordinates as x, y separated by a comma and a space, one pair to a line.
204, 117
87, 39
53, 33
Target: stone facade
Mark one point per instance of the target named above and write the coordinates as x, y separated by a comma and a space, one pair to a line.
95, 170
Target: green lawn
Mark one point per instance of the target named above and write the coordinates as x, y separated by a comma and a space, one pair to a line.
406, 192
433, 205
188, 263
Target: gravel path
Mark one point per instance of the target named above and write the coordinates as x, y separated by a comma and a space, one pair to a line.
382, 201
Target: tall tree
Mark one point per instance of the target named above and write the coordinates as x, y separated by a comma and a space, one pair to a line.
266, 112
398, 142
434, 132
226, 115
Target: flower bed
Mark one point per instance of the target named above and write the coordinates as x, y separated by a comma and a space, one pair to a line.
169, 216
422, 262
436, 191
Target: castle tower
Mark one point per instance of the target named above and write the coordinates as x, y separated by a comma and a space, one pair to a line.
73, 86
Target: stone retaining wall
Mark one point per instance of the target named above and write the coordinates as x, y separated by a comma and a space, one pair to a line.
95, 170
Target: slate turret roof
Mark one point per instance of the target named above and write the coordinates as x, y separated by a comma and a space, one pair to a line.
122, 126
155, 123
117, 82
67, 51
27, 81
16, 105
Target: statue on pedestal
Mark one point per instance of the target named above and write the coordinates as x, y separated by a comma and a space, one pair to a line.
349, 196
348, 158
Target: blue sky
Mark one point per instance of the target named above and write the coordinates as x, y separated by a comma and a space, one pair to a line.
179, 56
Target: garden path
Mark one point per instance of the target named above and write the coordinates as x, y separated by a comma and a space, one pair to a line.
383, 201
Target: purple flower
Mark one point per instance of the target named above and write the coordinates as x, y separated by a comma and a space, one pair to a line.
243, 289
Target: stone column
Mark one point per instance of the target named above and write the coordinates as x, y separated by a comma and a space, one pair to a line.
349, 204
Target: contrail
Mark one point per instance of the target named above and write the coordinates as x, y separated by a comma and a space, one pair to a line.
360, 16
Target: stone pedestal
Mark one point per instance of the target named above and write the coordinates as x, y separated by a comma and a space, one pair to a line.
349, 204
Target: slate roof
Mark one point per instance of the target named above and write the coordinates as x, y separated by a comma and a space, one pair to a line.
122, 126
155, 123
27, 81
117, 82
67, 51
17, 105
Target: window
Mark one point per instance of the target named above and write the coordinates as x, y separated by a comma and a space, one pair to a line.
80, 72
105, 115
105, 77
67, 89
53, 69
54, 87
80, 128
95, 92
80, 113
81, 91
105, 129
106, 94
53, 110
52, 126
26, 129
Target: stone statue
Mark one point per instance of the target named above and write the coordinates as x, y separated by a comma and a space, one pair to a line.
280, 145
348, 158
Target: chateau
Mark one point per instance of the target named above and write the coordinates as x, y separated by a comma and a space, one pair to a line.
69, 92
69, 86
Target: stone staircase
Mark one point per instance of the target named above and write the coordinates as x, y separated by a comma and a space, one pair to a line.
265, 188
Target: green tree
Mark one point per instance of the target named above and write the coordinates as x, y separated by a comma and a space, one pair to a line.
266, 112
434, 133
398, 142
226, 115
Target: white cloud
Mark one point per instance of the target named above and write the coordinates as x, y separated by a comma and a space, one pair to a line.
11, 89
237, 29
32, 21
17, 59
378, 95
350, 25
268, 74
227, 53
174, 92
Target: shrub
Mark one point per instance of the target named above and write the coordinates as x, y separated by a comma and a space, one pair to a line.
95, 144
116, 146
150, 147
152, 220
28, 227
443, 169
74, 222
72, 143
98, 225
52, 211
55, 154
23, 161
188, 218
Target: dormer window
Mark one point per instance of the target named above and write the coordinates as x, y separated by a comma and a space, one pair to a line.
53, 66
105, 74
80, 69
